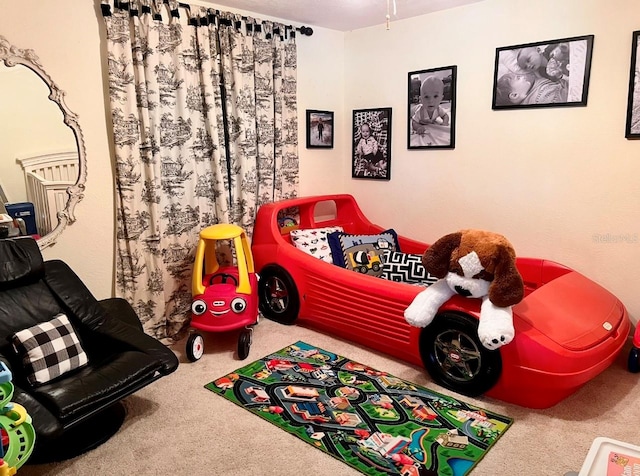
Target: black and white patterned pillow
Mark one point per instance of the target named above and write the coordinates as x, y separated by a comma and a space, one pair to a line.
405, 268
313, 241
49, 349
363, 252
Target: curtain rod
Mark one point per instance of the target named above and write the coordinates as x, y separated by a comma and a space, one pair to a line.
304, 30
124, 4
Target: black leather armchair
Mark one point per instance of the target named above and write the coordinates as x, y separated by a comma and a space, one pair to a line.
80, 409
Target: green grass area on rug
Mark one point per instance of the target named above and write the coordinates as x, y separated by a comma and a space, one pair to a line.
377, 423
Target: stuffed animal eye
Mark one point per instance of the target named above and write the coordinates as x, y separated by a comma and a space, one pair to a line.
484, 275
456, 268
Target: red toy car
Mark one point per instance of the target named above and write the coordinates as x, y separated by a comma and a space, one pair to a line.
224, 297
568, 328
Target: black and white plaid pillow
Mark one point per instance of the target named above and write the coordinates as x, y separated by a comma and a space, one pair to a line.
49, 350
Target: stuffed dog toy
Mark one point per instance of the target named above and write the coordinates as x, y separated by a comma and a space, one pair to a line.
475, 264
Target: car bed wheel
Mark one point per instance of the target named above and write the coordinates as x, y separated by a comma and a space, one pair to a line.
278, 295
454, 356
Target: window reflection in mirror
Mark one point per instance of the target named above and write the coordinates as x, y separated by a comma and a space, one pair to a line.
42, 162
32, 126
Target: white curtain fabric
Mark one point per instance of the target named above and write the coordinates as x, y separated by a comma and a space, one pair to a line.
203, 105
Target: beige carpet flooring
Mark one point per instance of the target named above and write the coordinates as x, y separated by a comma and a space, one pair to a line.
177, 427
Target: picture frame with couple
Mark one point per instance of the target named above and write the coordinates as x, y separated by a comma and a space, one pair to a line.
553, 73
633, 107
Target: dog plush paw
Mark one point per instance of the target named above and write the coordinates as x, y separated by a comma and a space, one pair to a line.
496, 325
425, 305
420, 314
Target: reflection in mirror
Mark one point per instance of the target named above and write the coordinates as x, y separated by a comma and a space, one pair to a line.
42, 158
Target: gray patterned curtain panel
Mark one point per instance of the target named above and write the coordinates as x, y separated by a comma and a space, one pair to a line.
204, 113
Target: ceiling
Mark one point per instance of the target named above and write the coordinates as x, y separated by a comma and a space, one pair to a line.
342, 15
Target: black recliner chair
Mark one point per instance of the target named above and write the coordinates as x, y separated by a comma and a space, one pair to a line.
82, 408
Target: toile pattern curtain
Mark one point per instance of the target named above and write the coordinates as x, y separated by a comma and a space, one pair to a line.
204, 115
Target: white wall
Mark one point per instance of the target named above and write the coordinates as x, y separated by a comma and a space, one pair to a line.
552, 180
558, 182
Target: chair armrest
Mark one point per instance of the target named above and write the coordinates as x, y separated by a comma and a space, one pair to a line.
136, 339
120, 308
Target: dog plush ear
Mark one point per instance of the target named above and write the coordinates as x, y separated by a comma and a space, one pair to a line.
437, 258
507, 287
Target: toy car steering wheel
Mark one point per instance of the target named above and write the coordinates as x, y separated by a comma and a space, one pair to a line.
224, 277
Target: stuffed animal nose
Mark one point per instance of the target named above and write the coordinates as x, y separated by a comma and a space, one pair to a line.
462, 291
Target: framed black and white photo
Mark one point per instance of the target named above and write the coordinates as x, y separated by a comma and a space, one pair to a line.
633, 106
550, 73
319, 129
431, 106
371, 157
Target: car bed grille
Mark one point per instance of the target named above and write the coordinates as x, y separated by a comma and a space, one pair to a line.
371, 316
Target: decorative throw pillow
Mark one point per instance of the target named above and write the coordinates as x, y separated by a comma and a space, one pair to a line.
405, 268
49, 349
362, 253
314, 241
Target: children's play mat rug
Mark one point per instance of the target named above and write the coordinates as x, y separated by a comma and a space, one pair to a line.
377, 423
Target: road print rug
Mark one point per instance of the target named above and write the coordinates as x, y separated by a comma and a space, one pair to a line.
377, 423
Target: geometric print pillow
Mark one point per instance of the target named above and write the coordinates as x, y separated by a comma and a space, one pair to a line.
405, 268
49, 350
314, 241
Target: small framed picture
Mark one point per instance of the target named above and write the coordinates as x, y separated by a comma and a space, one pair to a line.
550, 73
371, 140
319, 129
633, 106
432, 109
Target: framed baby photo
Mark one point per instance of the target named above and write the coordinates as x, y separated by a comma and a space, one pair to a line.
371, 140
633, 106
551, 73
319, 129
431, 108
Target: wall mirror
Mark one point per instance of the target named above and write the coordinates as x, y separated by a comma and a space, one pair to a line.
42, 158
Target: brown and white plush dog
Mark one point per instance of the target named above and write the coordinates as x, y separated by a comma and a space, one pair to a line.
475, 264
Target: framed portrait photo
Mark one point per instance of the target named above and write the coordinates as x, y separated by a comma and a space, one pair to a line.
319, 129
551, 73
633, 106
371, 157
431, 107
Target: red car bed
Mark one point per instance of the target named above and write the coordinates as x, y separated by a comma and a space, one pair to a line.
568, 328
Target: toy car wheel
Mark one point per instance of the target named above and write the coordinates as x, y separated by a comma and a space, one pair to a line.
195, 346
244, 344
634, 364
454, 356
278, 295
